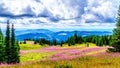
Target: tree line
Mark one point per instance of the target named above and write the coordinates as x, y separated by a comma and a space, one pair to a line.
98, 40
77, 39
9, 47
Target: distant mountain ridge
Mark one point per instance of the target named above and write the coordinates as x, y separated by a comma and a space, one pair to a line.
50, 35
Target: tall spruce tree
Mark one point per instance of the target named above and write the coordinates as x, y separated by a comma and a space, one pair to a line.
7, 45
75, 37
2, 46
14, 47
116, 35
69, 42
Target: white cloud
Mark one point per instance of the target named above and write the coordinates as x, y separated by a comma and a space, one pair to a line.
60, 9
17, 7
60, 13
106, 9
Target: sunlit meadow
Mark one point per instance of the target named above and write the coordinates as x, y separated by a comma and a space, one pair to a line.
78, 56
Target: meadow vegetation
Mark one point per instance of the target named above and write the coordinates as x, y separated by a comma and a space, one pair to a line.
77, 56
29, 47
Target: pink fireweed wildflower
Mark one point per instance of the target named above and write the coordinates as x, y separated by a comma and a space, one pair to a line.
92, 49
55, 48
58, 55
21, 52
74, 53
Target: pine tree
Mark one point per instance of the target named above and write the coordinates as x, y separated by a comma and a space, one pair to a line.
61, 43
69, 42
100, 41
80, 39
2, 46
7, 45
116, 35
54, 42
72, 40
14, 47
75, 37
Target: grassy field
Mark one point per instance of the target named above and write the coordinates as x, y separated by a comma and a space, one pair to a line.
30, 47
82, 62
77, 56
34, 56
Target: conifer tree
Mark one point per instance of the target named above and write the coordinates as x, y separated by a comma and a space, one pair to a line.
80, 39
14, 47
2, 46
54, 42
69, 42
75, 37
72, 40
116, 35
7, 45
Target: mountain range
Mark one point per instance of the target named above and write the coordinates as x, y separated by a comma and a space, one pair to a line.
51, 35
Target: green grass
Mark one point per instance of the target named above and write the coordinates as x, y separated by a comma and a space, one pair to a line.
90, 45
83, 62
30, 47
34, 56
77, 45
37, 46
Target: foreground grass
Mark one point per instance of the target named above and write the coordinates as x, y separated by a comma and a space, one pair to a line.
83, 62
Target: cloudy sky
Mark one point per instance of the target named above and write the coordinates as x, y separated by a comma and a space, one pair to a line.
95, 14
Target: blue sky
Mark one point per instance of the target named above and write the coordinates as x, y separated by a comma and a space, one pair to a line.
52, 14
